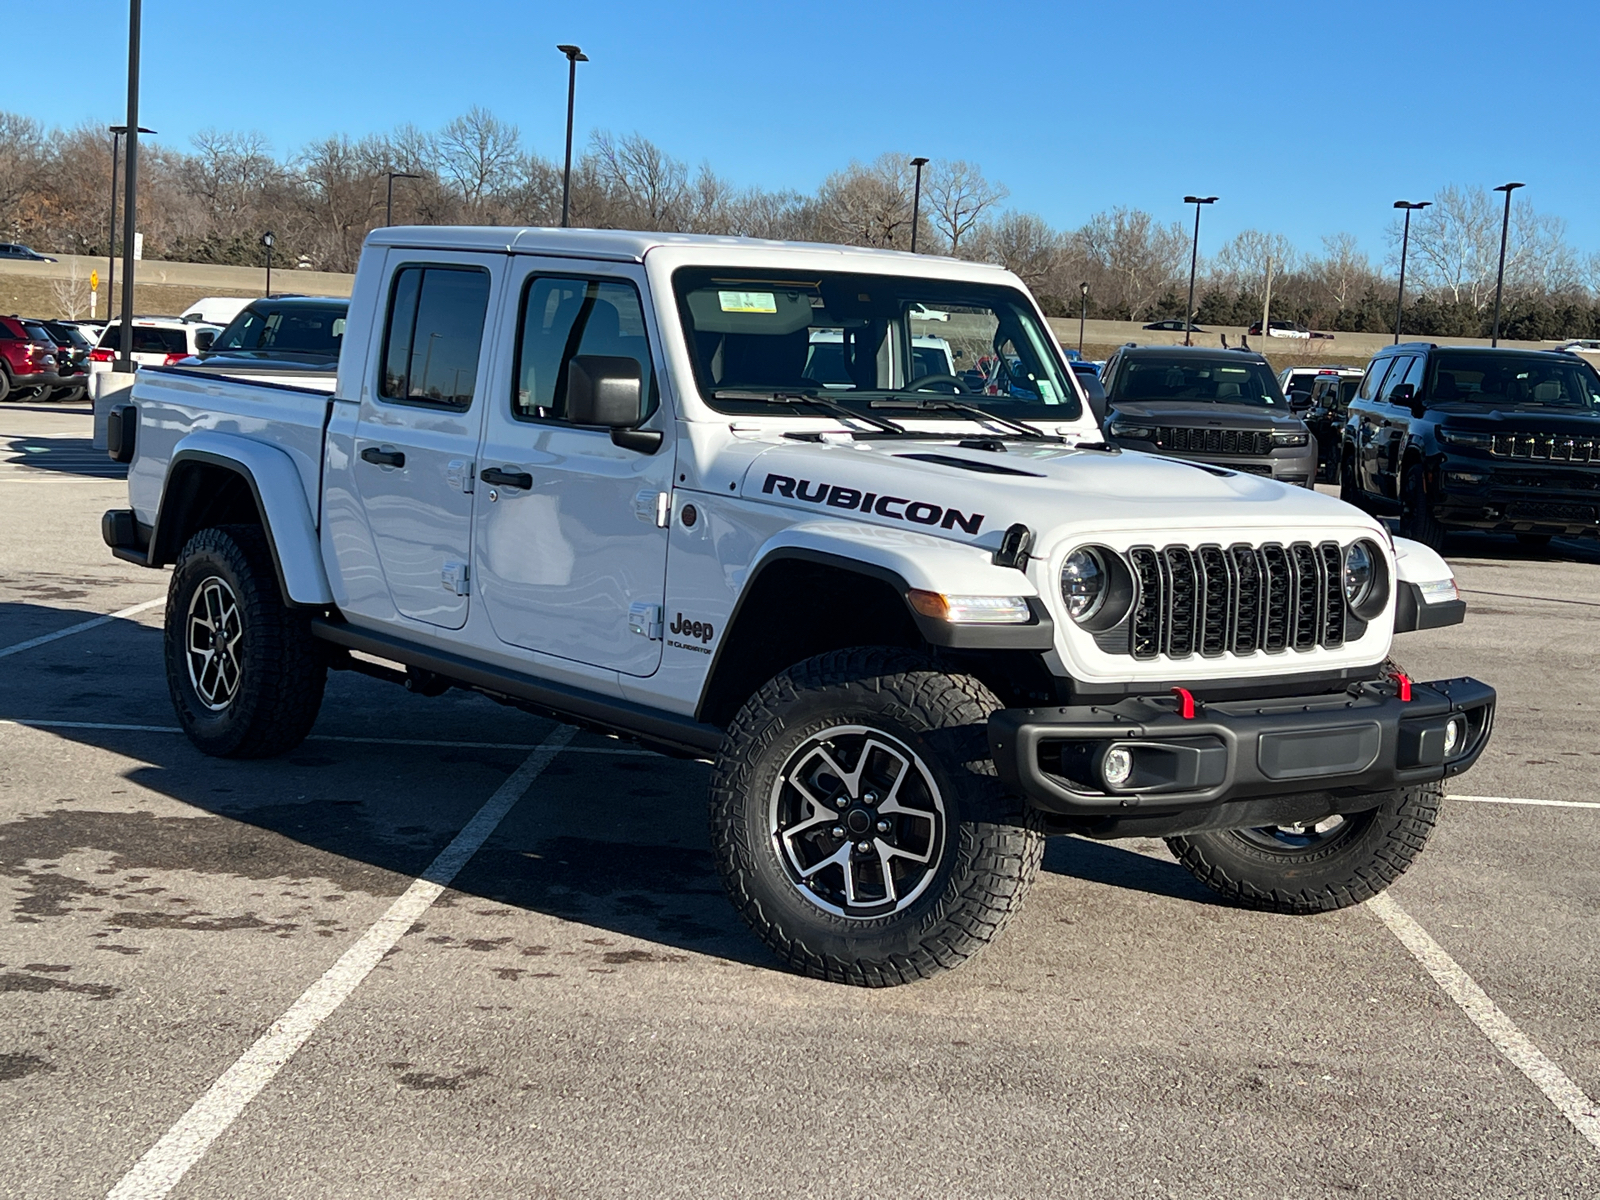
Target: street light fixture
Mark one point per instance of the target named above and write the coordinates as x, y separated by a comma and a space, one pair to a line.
1083, 314
1194, 258
916, 200
269, 241
388, 200
574, 57
1405, 242
1500, 278
116, 132
130, 215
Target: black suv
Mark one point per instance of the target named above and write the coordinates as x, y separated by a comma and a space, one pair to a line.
1222, 407
286, 334
1450, 437
1326, 409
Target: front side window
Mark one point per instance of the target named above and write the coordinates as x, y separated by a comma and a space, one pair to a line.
1397, 376
869, 340
433, 335
1187, 378
563, 318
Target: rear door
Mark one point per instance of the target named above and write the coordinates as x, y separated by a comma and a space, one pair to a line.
1394, 426
1365, 423
571, 539
418, 426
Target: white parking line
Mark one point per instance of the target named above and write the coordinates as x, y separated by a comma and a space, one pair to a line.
164, 1164
83, 627
1483, 1012
114, 727
1521, 800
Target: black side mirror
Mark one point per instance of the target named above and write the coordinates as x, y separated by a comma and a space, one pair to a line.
608, 391
1402, 393
203, 340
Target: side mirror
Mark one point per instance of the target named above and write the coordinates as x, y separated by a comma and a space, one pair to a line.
1402, 393
203, 340
608, 391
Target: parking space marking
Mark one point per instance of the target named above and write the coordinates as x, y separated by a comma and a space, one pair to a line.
82, 627
165, 1163
1490, 1019
115, 727
1521, 800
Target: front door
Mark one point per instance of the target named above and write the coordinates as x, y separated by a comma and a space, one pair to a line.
418, 429
571, 540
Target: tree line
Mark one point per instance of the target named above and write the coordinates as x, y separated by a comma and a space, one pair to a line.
212, 202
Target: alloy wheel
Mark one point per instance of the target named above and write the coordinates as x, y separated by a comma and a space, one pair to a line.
214, 633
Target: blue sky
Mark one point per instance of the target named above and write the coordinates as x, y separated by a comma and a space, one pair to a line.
1304, 118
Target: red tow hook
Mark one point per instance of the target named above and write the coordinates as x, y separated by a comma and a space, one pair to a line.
1186, 701
1403, 684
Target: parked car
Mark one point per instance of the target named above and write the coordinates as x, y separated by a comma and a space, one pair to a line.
16, 251
915, 631
1325, 416
1449, 437
1088, 375
1296, 382
1214, 406
214, 310
1176, 324
157, 342
27, 361
286, 334
73, 348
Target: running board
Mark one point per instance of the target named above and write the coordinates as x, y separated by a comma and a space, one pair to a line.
574, 706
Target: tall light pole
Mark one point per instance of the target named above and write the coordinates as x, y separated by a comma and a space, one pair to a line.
916, 200
130, 216
269, 241
1083, 314
116, 132
574, 57
1194, 258
1405, 243
1500, 278
388, 200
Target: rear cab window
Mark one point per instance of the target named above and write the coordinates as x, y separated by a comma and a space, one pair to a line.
433, 335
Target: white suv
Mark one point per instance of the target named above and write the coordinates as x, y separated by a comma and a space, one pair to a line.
157, 342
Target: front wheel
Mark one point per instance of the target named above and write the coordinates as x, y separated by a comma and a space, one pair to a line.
245, 674
1417, 521
1317, 866
858, 824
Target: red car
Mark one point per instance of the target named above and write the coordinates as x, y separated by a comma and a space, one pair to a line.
27, 363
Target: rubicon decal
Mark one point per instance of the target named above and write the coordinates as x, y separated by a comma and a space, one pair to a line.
898, 508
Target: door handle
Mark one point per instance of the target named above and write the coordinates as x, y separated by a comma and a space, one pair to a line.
383, 458
511, 479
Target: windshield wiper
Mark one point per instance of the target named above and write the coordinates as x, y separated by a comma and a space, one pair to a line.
972, 410
825, 403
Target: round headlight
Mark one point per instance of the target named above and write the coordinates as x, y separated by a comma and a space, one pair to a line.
1083, 583
1360, 572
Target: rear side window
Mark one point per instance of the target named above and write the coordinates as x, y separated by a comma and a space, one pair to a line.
562, 318
1376, 370
147, 340
433, 334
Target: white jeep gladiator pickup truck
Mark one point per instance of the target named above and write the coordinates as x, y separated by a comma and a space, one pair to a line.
917, 621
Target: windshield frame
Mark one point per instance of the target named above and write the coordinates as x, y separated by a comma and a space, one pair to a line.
1007, 302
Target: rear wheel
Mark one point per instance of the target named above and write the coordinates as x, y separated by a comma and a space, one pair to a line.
5, 384
858, 823
1315, 867
1417, 521
245, 674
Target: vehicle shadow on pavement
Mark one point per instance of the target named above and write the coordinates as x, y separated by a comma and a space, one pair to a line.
62, 456
1107, 863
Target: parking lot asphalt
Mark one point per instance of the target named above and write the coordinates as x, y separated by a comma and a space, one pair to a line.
580, 1012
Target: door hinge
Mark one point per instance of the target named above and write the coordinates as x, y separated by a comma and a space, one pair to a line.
453, 578
458, 473
645, 620
654, 507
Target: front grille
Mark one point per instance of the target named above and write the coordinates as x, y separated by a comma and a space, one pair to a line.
1238, 600
1213, 441
1545, 447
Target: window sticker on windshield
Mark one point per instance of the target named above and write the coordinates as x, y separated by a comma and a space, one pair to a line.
748, 302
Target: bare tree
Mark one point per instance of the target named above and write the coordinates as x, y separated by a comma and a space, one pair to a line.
230, 174
643, 187
1022, 243
1241, 264
1454, 244
1134, 258
480, 155
1343, 271
869, 205
22, 152
71, 295
957, 197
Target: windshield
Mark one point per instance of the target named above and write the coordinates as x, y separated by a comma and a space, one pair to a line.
303, 329
1513, 381
1207, 380
856, 339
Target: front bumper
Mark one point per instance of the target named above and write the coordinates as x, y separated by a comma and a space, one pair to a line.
1295, 465
1234, 764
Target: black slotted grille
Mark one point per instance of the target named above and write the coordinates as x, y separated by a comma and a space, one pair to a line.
1548, 447
1214, 441
1214, 601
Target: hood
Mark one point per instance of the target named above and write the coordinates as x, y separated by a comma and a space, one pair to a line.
1207, 414
942, 488
1474, 418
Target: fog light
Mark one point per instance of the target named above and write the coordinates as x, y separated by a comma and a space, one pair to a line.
1117, 767
1454, 734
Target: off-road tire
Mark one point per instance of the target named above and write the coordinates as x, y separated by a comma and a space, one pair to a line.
991, 844
1349, 491
1417, 521
1378, 847
281, 670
